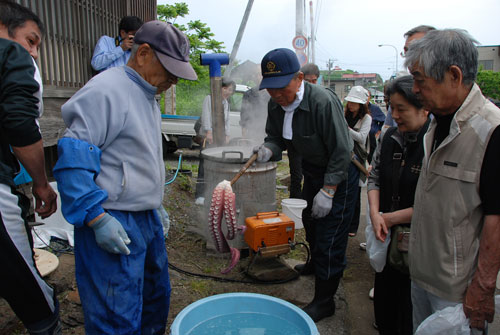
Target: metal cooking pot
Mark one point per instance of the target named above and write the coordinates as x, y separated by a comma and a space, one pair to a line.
255, 190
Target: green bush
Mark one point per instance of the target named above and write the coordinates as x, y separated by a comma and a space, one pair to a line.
489, 82
189, 98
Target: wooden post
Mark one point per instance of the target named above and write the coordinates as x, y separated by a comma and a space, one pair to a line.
218, 124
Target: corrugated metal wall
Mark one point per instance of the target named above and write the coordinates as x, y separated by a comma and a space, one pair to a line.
72, 30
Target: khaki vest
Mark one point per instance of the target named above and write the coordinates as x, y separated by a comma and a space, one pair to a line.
447, 218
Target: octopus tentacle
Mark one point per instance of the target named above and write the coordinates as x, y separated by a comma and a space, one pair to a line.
224, 204
235, 257
230, 212
215, 217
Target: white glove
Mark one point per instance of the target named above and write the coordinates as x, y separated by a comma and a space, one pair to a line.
322, 204
263, 153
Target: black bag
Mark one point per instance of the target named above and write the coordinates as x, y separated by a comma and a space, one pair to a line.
197, 126
398, 249
360, 152
400, 234
199, 138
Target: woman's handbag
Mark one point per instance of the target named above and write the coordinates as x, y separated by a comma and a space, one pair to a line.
360, 152
398, 249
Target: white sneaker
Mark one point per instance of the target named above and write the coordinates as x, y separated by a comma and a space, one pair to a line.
200, 201
362, 246
371, 294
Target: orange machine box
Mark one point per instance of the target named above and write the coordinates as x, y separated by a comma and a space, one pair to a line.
268, 229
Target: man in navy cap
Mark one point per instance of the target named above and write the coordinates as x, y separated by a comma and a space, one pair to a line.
110, 174
309, 119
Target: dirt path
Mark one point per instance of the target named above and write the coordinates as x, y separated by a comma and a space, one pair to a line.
358, 280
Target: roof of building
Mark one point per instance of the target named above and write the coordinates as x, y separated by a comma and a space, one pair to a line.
359, 75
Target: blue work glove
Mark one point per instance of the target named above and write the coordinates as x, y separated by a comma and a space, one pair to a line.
110, 235
264, 154
322, 204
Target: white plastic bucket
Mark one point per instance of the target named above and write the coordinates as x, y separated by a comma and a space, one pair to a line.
293, 209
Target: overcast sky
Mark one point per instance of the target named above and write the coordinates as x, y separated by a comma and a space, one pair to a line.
348, 31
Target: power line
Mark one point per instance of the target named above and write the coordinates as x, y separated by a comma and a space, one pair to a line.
318, 12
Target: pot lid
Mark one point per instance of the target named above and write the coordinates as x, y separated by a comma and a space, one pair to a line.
230, 154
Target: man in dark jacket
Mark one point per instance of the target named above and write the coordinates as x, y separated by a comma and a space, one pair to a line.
378, 118
31, 298
309, 118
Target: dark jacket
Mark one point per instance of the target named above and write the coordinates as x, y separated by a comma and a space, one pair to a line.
320, 132
18, 106
412, 154
378, 118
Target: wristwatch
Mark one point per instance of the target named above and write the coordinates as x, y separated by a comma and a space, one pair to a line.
330, 191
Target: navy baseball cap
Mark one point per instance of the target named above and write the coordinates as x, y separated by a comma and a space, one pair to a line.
278, 68
171, 47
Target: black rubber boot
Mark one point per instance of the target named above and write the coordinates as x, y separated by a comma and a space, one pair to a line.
49, 326
323, 304
54, 329
305, 268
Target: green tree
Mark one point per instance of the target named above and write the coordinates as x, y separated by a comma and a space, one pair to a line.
190, 94
489, 82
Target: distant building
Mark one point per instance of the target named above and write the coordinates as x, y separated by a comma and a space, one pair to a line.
489, 57
341, 87
363, 79
341, 82
377, 96
246, 73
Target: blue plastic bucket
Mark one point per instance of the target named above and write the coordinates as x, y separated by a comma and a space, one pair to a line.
242, 314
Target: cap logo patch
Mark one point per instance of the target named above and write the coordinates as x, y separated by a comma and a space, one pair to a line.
271, 68
184, 48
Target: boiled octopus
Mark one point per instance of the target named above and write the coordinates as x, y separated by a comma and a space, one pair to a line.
224, 205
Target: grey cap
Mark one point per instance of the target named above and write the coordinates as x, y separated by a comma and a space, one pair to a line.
171, 47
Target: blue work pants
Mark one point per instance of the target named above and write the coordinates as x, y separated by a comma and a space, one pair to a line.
124, 294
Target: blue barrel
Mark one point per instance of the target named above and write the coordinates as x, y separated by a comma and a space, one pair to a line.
243, 314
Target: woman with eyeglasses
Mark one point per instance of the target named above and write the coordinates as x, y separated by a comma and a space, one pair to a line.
392, 181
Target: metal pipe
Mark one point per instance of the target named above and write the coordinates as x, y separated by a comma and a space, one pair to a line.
214, 61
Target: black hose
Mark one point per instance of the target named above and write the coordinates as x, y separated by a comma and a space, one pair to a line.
252, 281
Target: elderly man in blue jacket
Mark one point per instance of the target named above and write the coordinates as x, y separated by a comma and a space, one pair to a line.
111, 174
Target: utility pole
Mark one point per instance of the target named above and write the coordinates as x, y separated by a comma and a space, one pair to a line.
311, 42
237, 41
299, 17
329, 64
